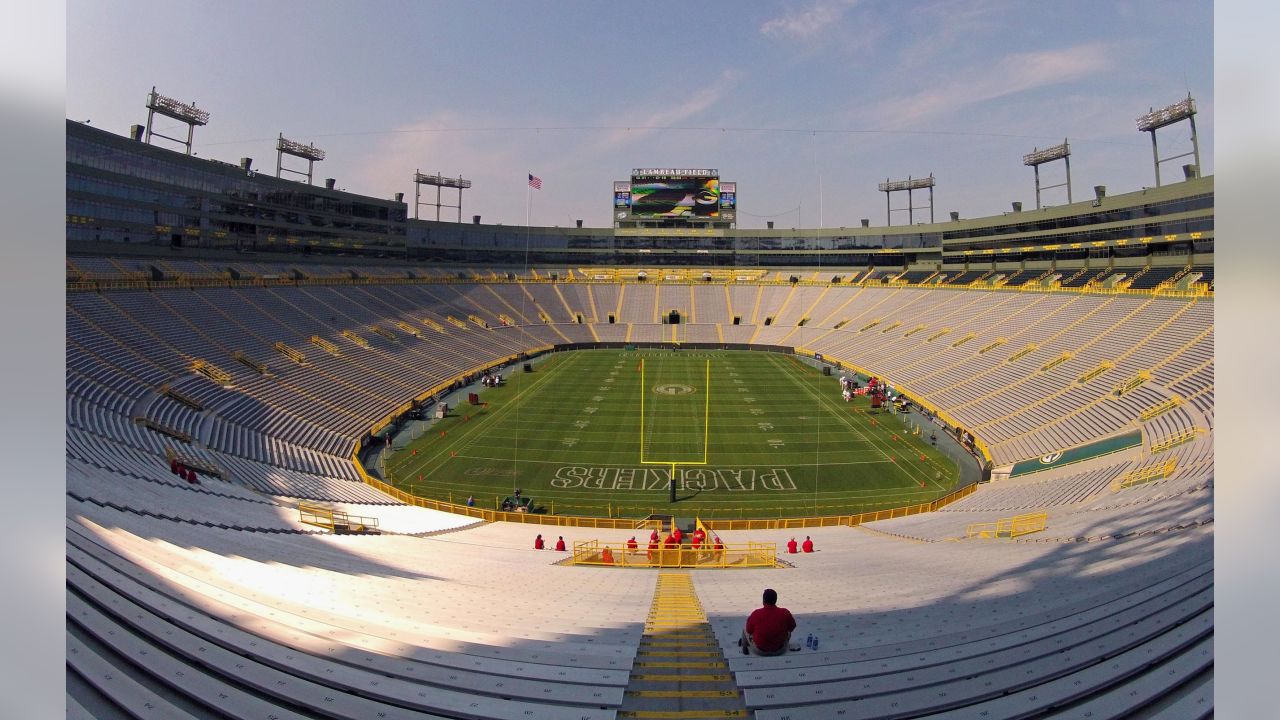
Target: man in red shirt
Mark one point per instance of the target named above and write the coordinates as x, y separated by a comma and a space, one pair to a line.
808, 544
537, 542
768, 630
560, 544
631, 544
791, 546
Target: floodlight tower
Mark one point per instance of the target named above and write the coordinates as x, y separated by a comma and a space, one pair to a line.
1038, 157
437, 181
910, 185
310, 153
183, 112
1156, 119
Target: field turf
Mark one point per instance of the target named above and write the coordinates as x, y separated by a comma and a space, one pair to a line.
753, 434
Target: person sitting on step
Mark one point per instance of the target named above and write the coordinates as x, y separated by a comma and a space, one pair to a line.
768, 629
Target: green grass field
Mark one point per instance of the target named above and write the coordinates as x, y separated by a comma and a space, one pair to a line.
753, 434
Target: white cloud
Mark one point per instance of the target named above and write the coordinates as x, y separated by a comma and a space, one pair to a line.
643, 120
807, 23
1012, 74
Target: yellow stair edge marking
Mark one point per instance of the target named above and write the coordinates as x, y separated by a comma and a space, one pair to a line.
720, 677
689, 665
685, 693
682, 713
678, 653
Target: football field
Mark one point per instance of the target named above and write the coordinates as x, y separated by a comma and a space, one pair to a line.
747, 434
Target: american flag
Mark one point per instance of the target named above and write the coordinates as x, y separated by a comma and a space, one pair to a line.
535, 182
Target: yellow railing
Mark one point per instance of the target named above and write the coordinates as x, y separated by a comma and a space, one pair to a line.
1011, 527
250, 363
1056, 362
993, 345
181, 397
348, 334
408, 328
290, 353
1175, 440
1025, 351
1132, 383
1160, 409
325, 345
205, 467
1102, 367
730, 555
164, 429
335, 520
1145, 474
211, 371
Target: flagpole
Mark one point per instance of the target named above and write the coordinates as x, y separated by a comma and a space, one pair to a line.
515, 446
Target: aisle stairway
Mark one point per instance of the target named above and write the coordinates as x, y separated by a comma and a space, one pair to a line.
680, 671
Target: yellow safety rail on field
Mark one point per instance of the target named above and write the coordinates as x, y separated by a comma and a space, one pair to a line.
1145, 474
731, 555
335, 520
1011, 527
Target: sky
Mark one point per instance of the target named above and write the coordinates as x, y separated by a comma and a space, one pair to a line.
806, 104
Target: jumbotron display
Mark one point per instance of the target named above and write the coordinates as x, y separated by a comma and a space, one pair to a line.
675, 193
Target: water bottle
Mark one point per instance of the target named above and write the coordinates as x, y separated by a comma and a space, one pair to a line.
815, 642
809, 641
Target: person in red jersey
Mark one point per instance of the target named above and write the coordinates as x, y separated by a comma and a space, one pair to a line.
679, 536
698, 537
560, 544
537, 542
808, 544
653, 537
768, 629
631, 544
671, 541
606, 557
791, 546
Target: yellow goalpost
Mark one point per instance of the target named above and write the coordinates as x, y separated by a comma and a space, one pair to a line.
706, 429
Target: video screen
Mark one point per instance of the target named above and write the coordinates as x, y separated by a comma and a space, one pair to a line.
675, 197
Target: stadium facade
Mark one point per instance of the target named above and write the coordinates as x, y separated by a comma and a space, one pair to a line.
123, 193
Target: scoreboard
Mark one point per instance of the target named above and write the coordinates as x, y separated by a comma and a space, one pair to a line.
675, 194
